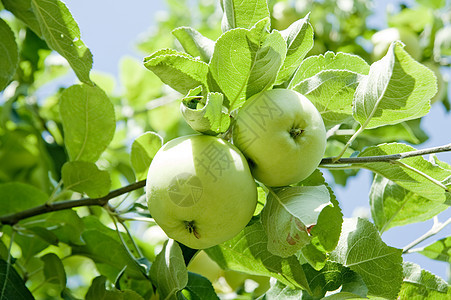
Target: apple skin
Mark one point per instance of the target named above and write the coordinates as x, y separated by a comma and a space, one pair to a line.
382, 39
282, 134
200, 190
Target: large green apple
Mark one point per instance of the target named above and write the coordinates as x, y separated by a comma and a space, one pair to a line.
200, 190
282, 134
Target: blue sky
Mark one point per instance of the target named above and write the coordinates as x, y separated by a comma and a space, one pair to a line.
111, 28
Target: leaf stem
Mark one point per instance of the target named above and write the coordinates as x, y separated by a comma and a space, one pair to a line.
353, 137
436, 228
121, 221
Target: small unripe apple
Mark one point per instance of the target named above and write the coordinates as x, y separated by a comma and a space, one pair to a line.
200, 190
282, 134
202, 264
382, 39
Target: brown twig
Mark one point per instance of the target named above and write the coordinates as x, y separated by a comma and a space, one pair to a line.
12, 219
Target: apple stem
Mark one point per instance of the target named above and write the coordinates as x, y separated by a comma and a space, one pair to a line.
295, 132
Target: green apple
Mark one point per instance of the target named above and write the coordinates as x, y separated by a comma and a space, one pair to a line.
202, 264
200, 190
282, 134
382, 39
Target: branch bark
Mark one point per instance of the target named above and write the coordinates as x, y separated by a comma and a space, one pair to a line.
12, 219
383, 158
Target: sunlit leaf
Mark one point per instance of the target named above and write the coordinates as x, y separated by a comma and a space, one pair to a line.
408, 179
313, 65
179, 70
85, 177
332, 93
246, 62
206, 117
421, 284
62, 34
362, 250
439, 250
88, 121
9, 54
299, 39
392, 205
332, 277
397, 89
247, 252
287, 215
143, 151
195, 43
280, 290
22, 10
169, 272
243, 14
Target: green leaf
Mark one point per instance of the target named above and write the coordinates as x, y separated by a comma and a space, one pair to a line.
246, 62
195, 43
392, 205
16, 197
332, 93
88, 122
22, 10
54, 271
199, 288
243, 14
43, 233
143, 151
397, 89
12, 285
439, 250
9, 54
282, 291
208, 117
85, 177
248, 252
406, 178
139, 84
332, 277
61, 32
421, 284
66, 225
361, 249
435, 4
299, 39
287, 215
327, 230
313, 65
168, 272
409, 131
179, 70
98, 238
98, 291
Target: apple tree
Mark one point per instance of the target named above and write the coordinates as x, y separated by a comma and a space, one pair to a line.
211, 173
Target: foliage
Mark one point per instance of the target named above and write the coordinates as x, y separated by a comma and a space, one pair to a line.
74, 223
